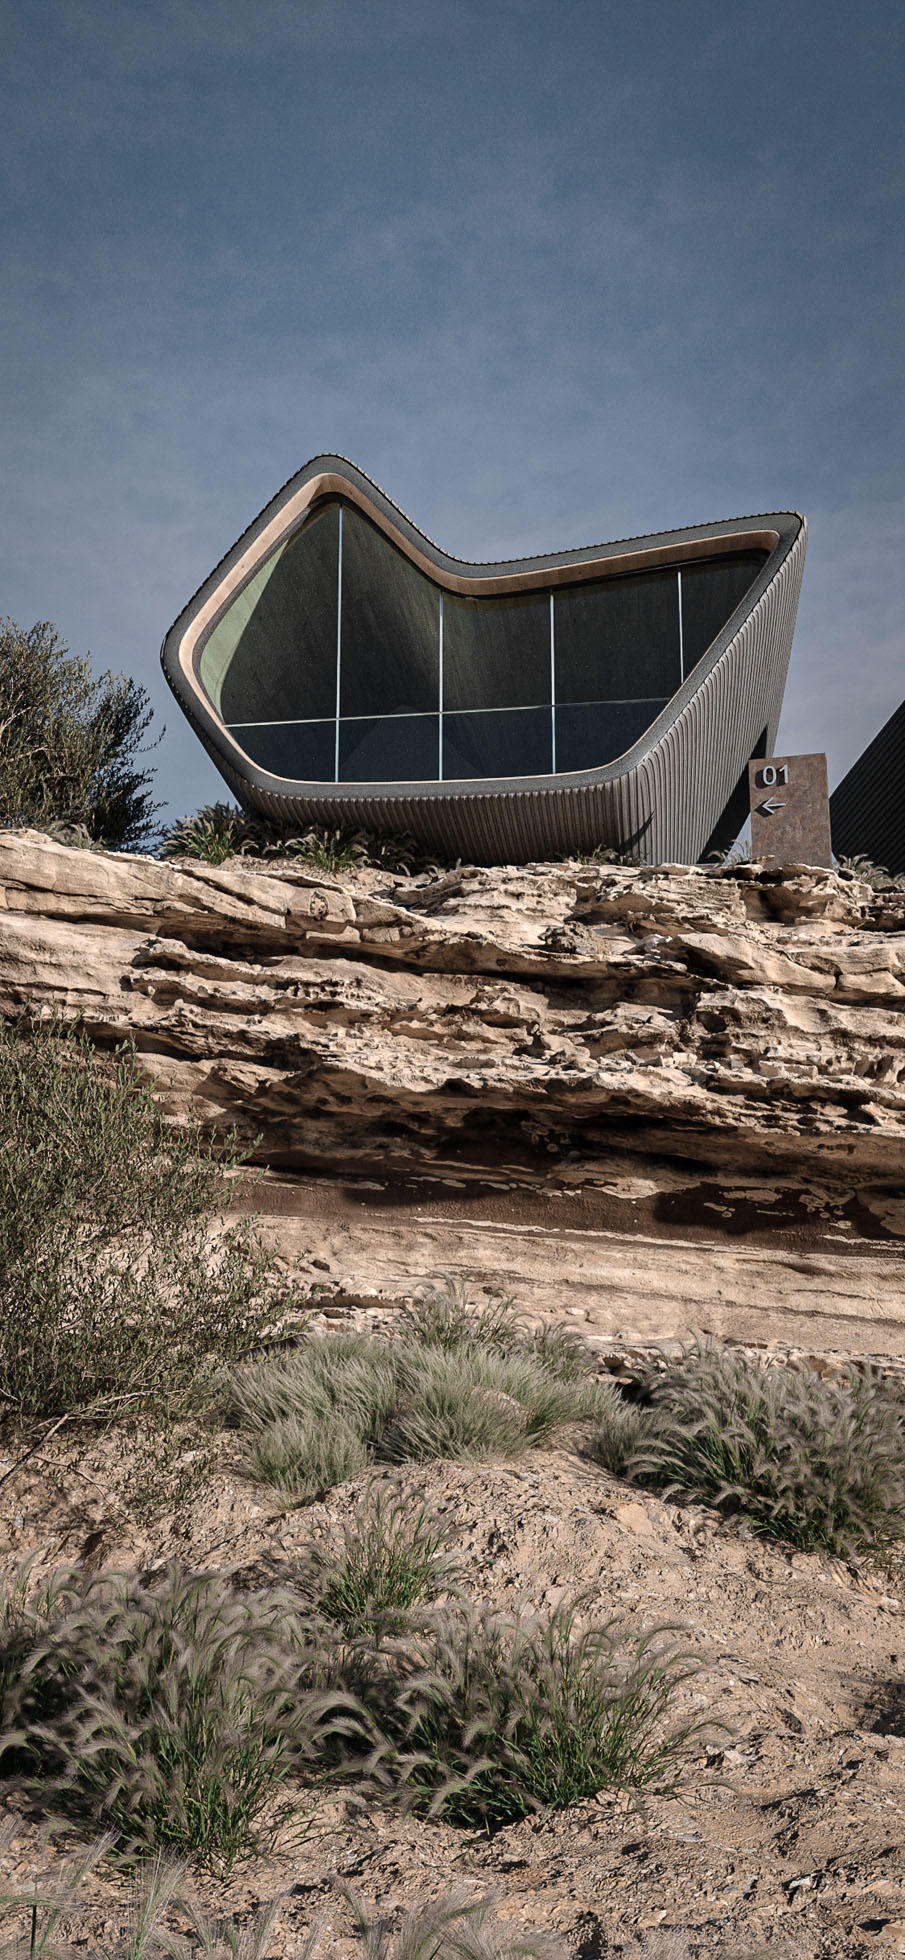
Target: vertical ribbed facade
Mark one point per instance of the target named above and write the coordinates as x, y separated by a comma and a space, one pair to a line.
662, 801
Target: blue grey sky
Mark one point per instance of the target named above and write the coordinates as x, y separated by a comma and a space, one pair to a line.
553, 274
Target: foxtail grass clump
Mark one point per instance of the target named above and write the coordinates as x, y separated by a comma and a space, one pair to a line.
443, 1316
389, 1560
454, 1386
162, 1913
815, 1463
497, 1715
171, 1712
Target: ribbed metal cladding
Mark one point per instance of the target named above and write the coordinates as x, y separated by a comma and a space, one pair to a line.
867, 811
661, 802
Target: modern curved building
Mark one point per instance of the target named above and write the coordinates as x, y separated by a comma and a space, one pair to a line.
341, 669
867, 810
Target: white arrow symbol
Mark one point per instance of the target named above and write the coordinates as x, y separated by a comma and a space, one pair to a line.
771, 806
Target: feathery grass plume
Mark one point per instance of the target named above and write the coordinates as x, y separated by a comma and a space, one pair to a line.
454, 1926
389, 1559
303, 1456
41, 1907
818, 1464
342, 1401
220, 1936
351, 1377
171, 1711
441, 1315
490, 1716
617, 1435
471, 1403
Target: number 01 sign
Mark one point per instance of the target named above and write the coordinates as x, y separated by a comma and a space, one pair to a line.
790, 810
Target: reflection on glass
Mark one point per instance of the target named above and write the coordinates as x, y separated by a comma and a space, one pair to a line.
270, 663
399, 749
272, 656
618, 637
390, 661
514, 742
711, 590
302, 750
594, 732
496, 652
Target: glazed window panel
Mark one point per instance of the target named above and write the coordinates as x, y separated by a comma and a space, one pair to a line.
305, 751
711, 590
514, 742
390, 658
590, 733
617, 637
390, 749
496, 652
272, 655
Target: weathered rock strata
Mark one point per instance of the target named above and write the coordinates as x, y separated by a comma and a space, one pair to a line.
691, 1079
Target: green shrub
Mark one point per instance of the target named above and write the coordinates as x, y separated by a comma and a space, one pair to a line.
408, 1400
171, 1712
818, 1464
111, 1297
389, 1559
497, 1715
68, 742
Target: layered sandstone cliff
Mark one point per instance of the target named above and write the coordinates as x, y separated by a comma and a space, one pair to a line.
661, 1099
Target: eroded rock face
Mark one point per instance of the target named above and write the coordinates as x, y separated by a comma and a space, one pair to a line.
668, 1097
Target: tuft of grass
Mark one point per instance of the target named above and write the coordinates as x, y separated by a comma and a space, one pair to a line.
302, 1456
500, 1715
341, 1402
220, 831
817, 1464
171, 1712
455, 1926
329, 1377
443, 1316
389, 1560
473, 1403
617, 1435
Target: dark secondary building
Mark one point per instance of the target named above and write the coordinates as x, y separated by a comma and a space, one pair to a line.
341, 669
867, 811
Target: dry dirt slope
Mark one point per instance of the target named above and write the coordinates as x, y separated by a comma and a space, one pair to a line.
656, 1102
788, 1831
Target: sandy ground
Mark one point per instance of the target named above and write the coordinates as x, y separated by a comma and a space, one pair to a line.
788, 1835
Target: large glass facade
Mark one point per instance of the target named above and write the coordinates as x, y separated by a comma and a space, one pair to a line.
340, 661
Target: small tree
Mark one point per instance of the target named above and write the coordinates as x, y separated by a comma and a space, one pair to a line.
68, 741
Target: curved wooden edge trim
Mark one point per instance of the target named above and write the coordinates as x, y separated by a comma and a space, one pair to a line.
330, 484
